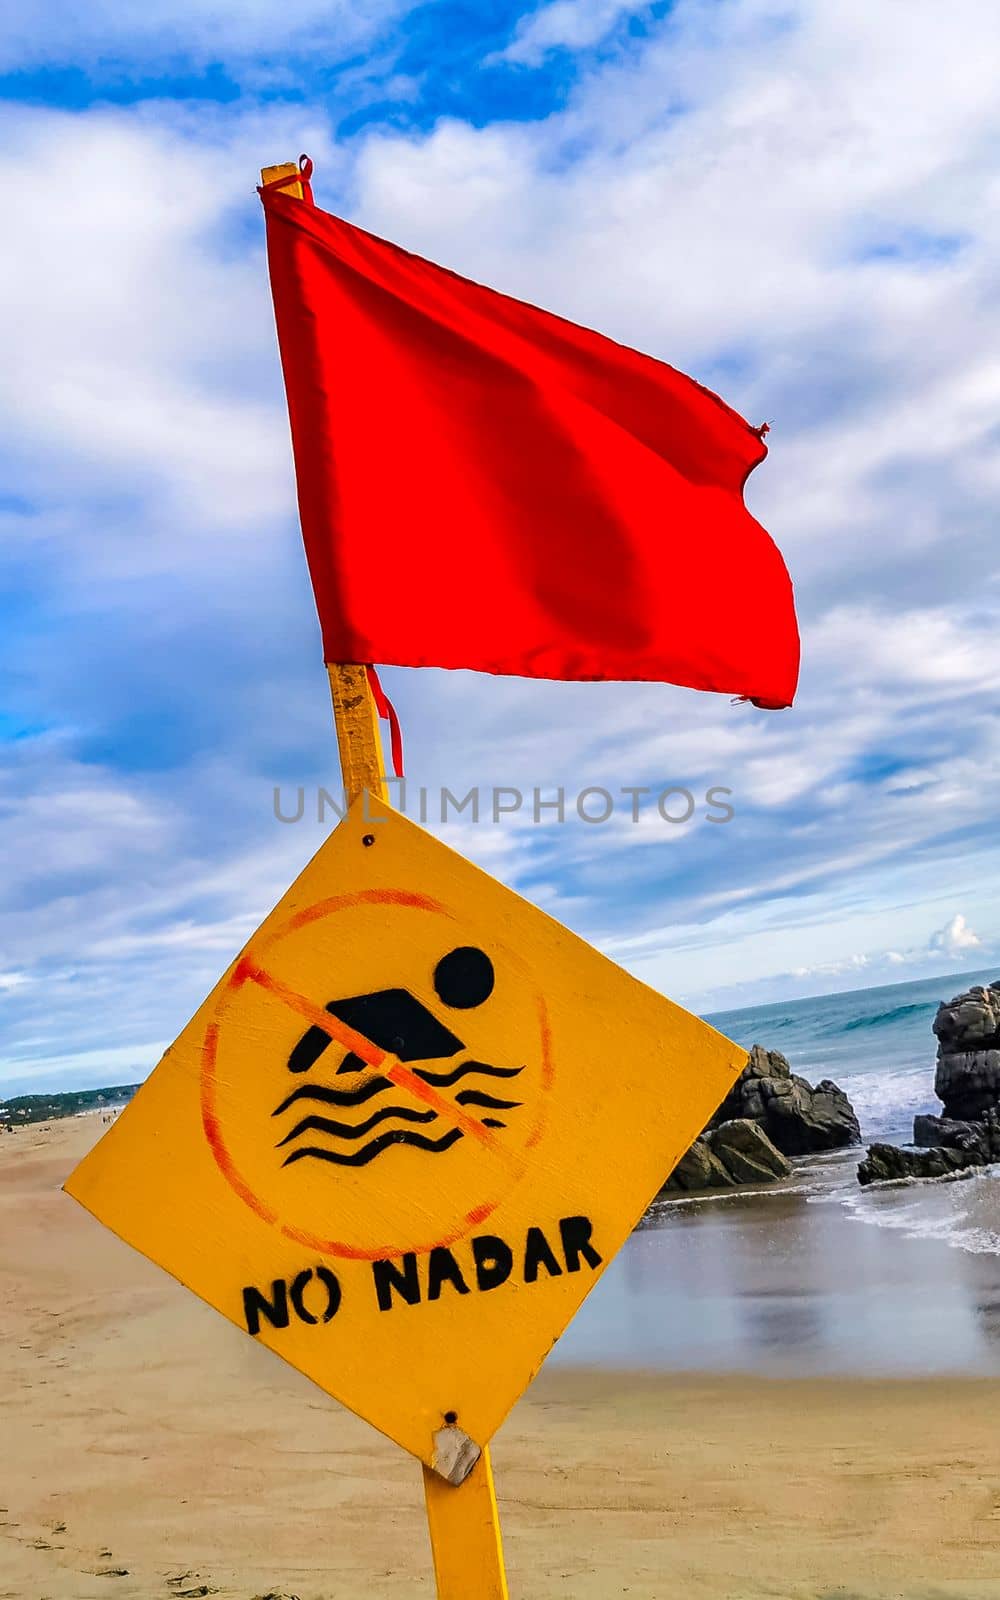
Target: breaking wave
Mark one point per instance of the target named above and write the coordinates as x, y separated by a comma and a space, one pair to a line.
883, 1019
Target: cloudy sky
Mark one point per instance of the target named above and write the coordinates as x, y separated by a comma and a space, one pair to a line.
796, 201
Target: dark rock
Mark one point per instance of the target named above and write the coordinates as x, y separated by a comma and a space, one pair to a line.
884, 1163
969, 1022
967, 1080
797, 1118
975, 1144
699, 1168
929, 1131
766, 1064
747, 1153
738, 1152
968, 1083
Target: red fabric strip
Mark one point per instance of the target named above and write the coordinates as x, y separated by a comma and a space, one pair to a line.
387, 712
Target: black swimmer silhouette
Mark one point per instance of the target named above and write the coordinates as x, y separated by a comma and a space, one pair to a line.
395, 1020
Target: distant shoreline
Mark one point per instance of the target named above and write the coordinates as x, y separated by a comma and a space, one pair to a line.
23, 1110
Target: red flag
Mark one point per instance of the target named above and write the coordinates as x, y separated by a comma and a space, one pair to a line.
483, 484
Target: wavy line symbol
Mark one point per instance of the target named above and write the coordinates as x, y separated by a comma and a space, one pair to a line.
339, 1137
361, 1158
444, 1080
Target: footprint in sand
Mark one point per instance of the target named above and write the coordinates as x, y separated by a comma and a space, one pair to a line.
193, 1590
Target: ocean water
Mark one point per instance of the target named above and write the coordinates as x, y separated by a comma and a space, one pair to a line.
876, 1043
816, 1275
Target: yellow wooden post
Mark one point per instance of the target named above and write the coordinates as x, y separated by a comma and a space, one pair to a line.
356, 721
465, 1535
354, 713
463, 1520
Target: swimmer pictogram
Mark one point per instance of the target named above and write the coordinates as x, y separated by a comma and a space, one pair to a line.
359, 1036
395, 1021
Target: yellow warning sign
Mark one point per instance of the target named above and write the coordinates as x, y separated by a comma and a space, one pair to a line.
407, 1131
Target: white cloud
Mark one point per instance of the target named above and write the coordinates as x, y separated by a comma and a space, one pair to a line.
953, 942
833, 969
566, 24
955, 938
740, 194
137, 329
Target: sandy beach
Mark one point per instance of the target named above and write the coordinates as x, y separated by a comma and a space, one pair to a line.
149, 1449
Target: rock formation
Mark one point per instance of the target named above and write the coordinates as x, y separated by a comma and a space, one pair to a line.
962, 1145
967, 1028
797, 1118
735, 1152
768, 1115
967, 1082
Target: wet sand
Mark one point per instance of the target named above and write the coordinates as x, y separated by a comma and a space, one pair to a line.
815, 1277
149, 1449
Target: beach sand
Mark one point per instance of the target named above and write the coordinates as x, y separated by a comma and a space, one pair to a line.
148, 1448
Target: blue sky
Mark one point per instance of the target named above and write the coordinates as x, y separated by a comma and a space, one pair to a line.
777, 198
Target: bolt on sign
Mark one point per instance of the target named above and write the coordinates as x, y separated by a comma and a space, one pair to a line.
382, 1145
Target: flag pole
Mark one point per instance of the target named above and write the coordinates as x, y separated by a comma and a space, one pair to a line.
354, 712
462, 1519
466, 1543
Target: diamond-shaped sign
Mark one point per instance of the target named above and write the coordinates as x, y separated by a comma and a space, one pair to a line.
407, 1131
